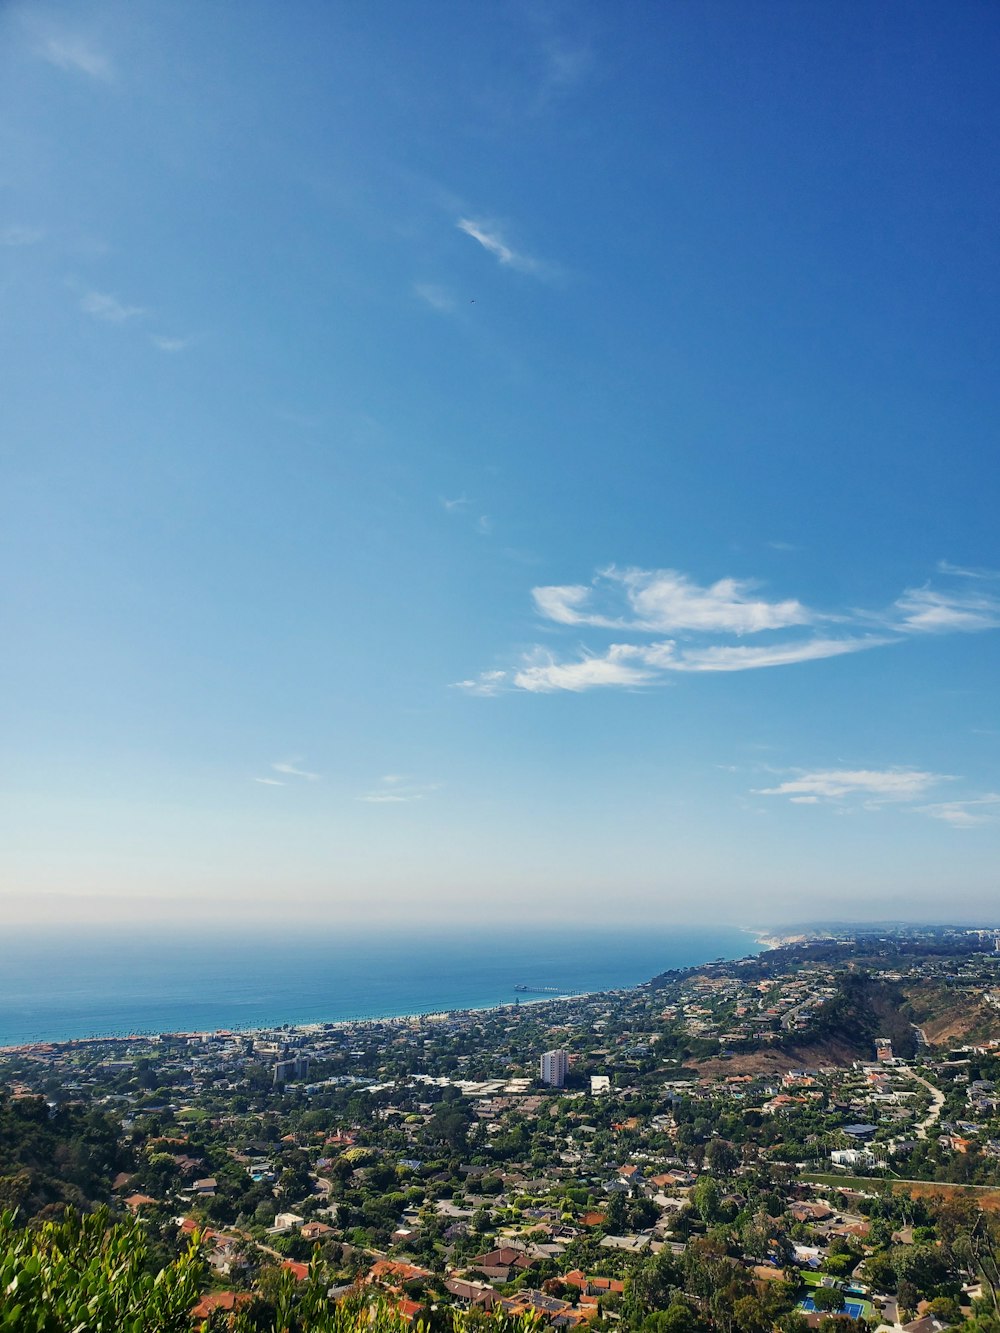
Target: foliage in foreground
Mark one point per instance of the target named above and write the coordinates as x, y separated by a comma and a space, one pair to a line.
87, 1275
81, 1275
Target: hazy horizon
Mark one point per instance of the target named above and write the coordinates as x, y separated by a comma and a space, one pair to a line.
513, 462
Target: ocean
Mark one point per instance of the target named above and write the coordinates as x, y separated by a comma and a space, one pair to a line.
57, 984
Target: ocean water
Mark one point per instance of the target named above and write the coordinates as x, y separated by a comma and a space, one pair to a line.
55, 984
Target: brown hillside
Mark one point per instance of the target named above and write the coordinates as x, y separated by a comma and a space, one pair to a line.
948, 1016
779, 1060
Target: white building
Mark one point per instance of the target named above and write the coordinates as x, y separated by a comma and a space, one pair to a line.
554, 1065
853, 1157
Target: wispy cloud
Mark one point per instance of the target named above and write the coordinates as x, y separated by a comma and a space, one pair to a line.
170, 345
925, 611
485, 684
961, 571
615, 667
71, 51
646, 664
972, 813
872, 789
736, 657
567, 66
398, 789
270, 782
462, 505
876, 785
665, 600
289, 768
437, 297
16, 235
708, 625
104, 306
491, 239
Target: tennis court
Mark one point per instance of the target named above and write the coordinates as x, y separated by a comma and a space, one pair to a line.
853, 1308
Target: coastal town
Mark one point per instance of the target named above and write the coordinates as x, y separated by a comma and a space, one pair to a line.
807, 1135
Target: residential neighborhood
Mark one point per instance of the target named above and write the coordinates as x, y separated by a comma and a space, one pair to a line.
787, 1138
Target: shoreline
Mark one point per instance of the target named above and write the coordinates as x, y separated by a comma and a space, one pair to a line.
762, 938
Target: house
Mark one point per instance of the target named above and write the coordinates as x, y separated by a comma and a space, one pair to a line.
225, 1301
315, 1230
471, 1293
393, 1272
136, 1201
810, 1212
593, 1286
852, 1157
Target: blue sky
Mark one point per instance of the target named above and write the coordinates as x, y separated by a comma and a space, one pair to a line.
528, 454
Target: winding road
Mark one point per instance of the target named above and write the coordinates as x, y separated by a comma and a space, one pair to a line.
935, 1111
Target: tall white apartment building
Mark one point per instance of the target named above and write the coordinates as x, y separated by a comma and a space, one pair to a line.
554, 1065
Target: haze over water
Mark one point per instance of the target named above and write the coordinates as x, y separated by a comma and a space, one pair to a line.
55, 985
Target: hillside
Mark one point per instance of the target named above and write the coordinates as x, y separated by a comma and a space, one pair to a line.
53, 1157
845, 1030
949, 1014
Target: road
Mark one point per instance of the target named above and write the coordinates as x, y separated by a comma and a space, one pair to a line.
935, 1111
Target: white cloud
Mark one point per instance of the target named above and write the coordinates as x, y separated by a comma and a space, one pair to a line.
565, 605
923, 610
486, 683
705, 619
104, 306
397, 789
877, 785
461, 505
736, 657
587, 674
960, 571
665, 600
438, 298
166, 344
874, 788
490, 238
15, 235
289, 767
965, 814
270, 782
72, 52
634, 664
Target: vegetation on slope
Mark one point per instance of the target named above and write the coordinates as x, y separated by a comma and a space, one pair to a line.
54, 1156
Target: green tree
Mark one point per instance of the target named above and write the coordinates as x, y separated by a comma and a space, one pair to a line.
705, 1198
82, 1274
828, 1298
721, 1158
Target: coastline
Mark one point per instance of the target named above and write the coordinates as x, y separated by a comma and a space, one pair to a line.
127, 991
409, 1014
340, 1024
